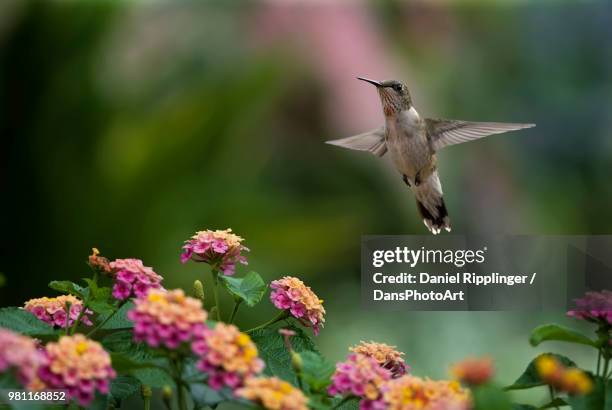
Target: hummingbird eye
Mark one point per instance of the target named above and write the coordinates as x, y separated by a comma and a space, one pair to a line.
397, 87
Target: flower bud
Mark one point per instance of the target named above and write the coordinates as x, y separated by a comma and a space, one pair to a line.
99, 263
296, 361
198, 290
167, 396
145, 392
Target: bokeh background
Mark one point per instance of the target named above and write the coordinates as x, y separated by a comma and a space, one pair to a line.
130, 125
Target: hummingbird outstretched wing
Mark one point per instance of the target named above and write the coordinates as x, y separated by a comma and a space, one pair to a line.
442, 133
371, 141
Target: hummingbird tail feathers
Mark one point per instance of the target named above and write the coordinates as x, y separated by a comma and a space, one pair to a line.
431, 206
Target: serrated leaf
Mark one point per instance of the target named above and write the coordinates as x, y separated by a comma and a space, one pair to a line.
67, 287
250, 289
558, 333
153, 377
119, 319
9, 381
100, 402
350, 403
124, 364
101, 307
24, 322
530, 377
203, 396
272, 350
123, 387
316, 370
122, 342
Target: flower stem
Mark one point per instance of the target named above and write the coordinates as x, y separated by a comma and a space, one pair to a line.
551, 391
215, 276
598, 362
235, 310
282, 315
85, 304
180, 391
109, 317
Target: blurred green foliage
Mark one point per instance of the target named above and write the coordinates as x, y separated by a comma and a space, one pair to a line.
128, 126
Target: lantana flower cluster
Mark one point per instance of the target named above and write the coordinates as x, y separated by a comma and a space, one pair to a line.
79, 365
132, 278
228, 356
473, 371
386, 356
562, 378
54, 310
22, 355
411, 393
292, 295
360, 376
273, 393
167, 318
221, 249
594, 307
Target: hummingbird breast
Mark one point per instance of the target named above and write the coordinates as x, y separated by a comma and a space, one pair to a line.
407, 143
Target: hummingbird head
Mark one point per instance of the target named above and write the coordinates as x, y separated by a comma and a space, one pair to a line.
394, 95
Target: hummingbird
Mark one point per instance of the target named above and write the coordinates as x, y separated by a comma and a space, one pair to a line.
413, 141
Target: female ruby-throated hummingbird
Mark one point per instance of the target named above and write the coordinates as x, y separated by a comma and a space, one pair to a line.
413, 142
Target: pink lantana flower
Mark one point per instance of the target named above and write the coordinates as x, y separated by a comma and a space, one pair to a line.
220, 249
79, 365
54, 310
594, 307
132, 278
228, 356
167, 318
21, 354
363, 377
292, 295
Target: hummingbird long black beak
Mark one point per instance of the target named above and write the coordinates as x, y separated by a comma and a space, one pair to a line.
367, 80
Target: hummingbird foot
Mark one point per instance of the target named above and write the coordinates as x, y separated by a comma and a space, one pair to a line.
417, 179
406, 181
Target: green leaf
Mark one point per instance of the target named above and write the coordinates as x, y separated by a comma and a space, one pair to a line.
123, 387
100, 402
67, 287
516, 406
122, 342
352, 403
119, 319
203, 396
316, 370
530, 377
558, 333
489, 396
124, 364
101, 307
9, 381
153, 377
557, 402
24, 322
273, 351
249, 289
